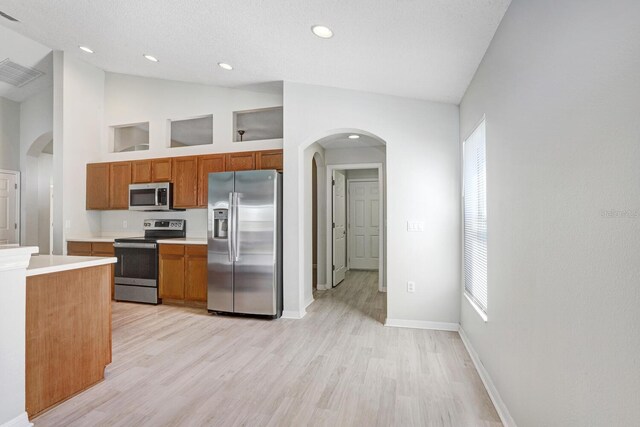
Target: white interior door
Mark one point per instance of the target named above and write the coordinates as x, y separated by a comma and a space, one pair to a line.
8, 207
364, 225
339, 227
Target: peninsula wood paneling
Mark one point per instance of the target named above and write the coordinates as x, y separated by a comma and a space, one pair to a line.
68, 334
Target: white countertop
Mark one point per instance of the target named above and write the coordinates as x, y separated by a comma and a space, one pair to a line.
92, 239
176, 241
44, 264
184, 241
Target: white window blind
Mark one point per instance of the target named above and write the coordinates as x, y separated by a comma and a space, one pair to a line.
475, 217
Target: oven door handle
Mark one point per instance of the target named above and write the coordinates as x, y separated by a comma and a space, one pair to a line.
135, 245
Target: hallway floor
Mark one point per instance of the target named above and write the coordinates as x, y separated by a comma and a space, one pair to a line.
337, 366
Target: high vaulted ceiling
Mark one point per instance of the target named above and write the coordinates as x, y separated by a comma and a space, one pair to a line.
426, 49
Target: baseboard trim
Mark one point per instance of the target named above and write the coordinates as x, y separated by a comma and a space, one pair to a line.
323, 287
501, 408
422, 324
21, 420
308, 303
292, 314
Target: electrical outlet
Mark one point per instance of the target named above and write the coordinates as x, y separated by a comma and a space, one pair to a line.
124, 224
411, 287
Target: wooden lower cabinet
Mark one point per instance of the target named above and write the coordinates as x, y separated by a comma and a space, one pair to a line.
171, 268
102, 249
195, 271
183, 273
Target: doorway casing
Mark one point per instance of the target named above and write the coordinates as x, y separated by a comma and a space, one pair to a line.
381, 241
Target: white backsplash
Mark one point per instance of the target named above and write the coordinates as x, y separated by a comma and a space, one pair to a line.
112, 222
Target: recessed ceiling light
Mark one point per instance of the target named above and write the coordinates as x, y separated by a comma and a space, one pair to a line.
86, 49
151, 58
322, 31
225, 66
354, 136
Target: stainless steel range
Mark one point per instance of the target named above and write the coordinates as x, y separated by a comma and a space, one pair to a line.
136, 273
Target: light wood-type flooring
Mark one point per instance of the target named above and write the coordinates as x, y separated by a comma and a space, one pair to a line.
339, 366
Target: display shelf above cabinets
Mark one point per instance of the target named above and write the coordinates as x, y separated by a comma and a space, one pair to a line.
256, 125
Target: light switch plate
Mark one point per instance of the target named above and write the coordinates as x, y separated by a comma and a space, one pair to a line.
124, 224
415, 226
67, 224
411, 287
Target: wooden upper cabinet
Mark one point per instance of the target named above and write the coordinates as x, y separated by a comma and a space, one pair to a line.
97, 186
161, 170
119, 180
207, 165
185, 182
141, 171
270, 159
243, 161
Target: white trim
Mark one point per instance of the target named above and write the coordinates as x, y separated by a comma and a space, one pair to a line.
21, 420
381, 243
501, 408
422, 324
323, 287
292, 314
480, 312
308, 302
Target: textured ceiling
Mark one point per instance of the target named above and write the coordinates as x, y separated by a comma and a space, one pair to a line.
427, 49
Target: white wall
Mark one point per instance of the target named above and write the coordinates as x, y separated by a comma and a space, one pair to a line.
45, 179
9, 135
36, 126
560, 90
423, 181
362, 174
78, 124
131, 99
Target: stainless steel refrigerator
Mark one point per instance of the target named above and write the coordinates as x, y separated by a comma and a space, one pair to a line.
245, 243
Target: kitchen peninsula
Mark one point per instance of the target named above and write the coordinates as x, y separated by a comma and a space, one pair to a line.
68, 327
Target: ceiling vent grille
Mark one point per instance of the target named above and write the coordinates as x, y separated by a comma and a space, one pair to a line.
16, 74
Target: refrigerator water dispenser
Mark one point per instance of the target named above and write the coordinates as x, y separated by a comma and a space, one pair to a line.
220, 223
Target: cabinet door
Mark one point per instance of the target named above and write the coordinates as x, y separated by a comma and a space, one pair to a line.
244, 161
141, 171
171, 271
98, 186
161, 170
119, 180
195, 284
270, 159
79, 248
185, 182
207, 165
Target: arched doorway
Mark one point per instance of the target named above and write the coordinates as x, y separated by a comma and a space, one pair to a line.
321, 158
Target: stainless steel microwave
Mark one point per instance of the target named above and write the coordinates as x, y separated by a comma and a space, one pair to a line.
156, 196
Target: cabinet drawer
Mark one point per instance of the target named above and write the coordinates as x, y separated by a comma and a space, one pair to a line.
102, 249
196, 250
79, 248
171, 249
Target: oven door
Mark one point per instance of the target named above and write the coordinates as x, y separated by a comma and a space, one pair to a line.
137, 264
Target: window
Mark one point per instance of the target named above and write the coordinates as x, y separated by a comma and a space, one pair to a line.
475, 218
134, 137
189, 132
256, 125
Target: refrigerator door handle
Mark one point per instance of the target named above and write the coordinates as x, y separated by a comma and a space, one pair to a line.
230, 228
236, 248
